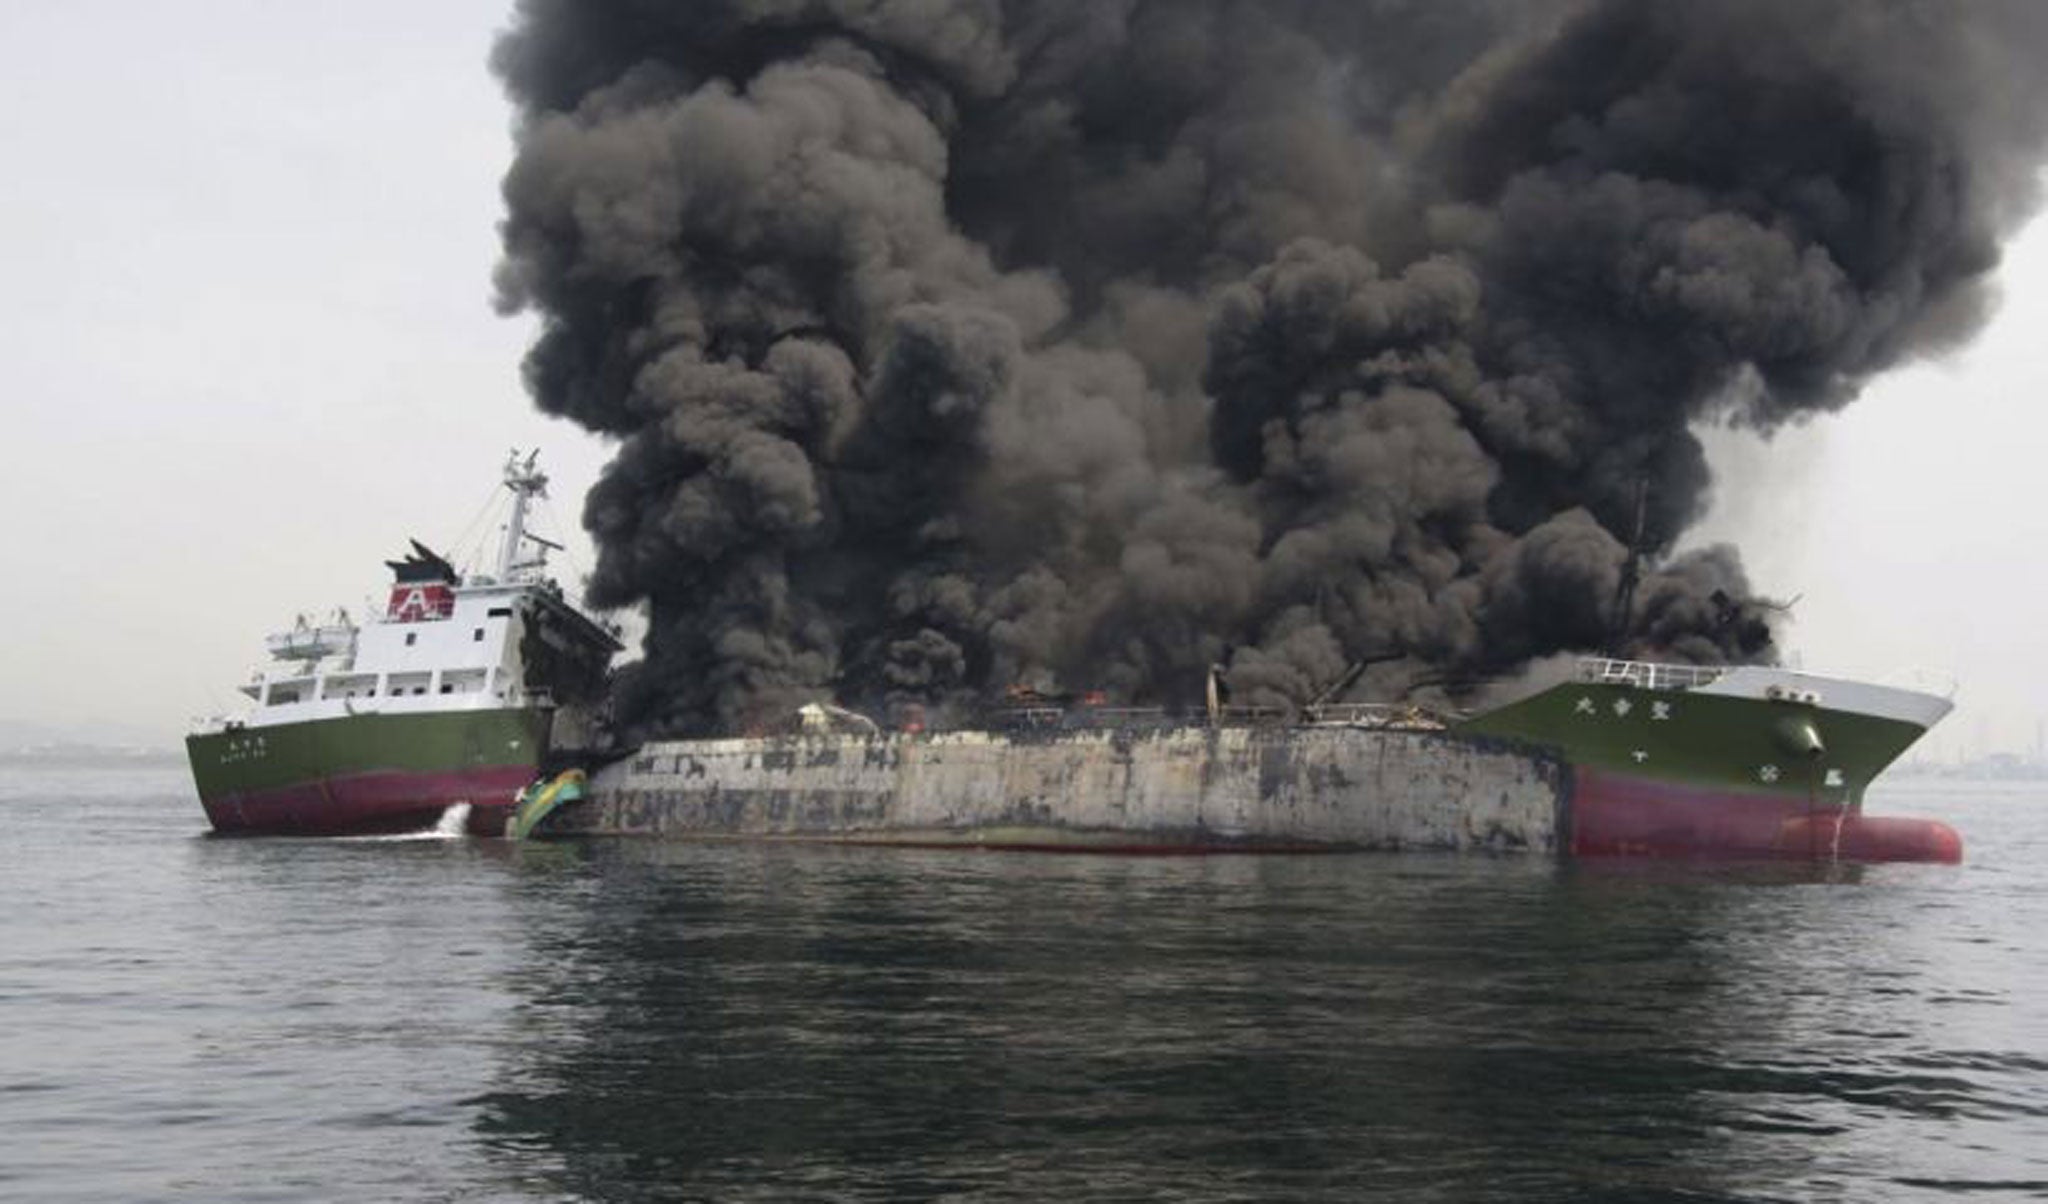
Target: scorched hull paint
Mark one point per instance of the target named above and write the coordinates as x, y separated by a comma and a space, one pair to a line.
1665, 762
1178, 789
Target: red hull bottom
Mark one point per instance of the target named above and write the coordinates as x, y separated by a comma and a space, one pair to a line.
1616, 815
373, 804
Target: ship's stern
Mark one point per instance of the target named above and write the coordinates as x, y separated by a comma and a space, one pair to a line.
368, 774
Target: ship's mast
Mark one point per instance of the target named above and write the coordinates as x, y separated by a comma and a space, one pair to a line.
1631, 574
526, 483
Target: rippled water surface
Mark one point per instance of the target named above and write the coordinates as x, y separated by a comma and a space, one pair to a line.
444, 1019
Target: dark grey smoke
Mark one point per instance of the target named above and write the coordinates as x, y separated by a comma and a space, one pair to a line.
952, 344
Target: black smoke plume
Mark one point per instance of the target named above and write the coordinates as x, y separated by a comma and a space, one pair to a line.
951, 344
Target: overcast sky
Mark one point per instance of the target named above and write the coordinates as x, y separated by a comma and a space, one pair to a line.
249, 349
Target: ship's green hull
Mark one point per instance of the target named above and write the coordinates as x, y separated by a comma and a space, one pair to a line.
1685, 773
368, 773
1709, 742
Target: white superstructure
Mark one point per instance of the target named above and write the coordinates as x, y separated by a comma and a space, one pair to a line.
444, 642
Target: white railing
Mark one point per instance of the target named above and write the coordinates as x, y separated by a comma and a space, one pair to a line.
1647, 675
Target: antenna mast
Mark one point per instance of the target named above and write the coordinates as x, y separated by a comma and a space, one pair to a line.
526, 483
1631, 572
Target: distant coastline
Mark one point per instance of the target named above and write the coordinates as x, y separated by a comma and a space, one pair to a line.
77, 755
57, 744
1995, 767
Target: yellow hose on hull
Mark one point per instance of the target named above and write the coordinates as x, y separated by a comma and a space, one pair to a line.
540, 800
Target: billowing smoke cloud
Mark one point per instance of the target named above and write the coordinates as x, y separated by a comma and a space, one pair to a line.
958, 343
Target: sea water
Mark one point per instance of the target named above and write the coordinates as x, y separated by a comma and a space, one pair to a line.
450, 1019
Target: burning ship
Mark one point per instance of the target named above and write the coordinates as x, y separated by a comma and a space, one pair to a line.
1055, 342
1627, 758
937, 355
443, 706
472, 695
